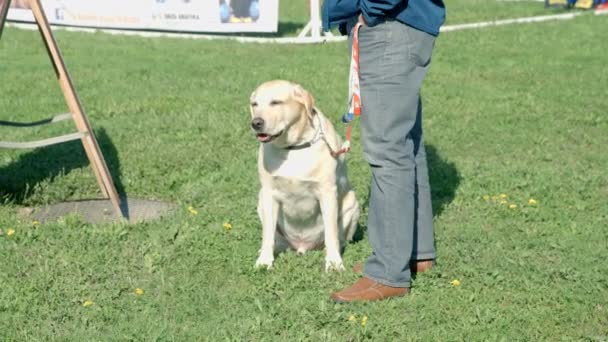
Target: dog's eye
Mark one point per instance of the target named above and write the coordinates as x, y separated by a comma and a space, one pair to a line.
254, 104
276, 102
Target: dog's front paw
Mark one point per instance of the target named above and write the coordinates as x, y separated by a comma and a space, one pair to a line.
334, 264
264, 261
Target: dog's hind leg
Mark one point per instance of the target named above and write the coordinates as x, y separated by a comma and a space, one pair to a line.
349, 217
328, 202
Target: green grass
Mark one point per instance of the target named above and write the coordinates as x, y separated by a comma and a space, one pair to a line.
519, 110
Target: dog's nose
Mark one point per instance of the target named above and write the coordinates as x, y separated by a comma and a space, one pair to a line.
257, 124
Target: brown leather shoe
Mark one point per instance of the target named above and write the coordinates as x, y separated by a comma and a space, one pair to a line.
366, 290
415, 266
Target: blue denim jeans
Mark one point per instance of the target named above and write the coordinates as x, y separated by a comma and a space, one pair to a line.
394, 60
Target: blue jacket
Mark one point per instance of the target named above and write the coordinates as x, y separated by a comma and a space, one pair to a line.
425, 15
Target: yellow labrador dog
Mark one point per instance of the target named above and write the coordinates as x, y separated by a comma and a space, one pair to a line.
305, 201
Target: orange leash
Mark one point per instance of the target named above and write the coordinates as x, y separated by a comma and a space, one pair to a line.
354, 99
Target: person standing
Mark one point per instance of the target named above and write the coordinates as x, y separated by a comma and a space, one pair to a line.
396, 40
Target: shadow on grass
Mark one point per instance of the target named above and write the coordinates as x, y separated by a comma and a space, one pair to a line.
19, 179
444, 179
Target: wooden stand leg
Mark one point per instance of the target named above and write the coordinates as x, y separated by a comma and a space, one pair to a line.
88, 141
4, 5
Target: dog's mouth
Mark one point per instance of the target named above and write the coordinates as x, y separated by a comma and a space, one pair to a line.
265, 138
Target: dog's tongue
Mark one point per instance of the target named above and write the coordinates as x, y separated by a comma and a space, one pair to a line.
263, 137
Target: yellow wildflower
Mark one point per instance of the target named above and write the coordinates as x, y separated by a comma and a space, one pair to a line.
352, 318
486, 197
139, 291
503, 202
227, 225
87, 303
532, 201
503, 196
35, 223
455, 282
10, 232
364, 321
192, 211
512, 206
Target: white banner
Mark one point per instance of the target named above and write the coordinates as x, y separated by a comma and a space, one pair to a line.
164, 15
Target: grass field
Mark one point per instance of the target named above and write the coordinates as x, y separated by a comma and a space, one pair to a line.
514, 110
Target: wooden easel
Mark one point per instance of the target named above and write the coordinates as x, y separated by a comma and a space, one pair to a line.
85, 133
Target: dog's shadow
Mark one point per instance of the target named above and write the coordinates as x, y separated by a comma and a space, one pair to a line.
444, 179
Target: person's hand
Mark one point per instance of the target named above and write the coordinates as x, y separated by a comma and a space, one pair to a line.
361, 20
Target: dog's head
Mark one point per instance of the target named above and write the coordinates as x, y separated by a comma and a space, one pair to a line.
280, 112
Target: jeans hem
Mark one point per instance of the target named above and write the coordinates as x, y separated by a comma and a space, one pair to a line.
424, 256
388, 282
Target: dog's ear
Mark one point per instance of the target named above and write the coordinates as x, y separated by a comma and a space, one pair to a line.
251, 100
304, 97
